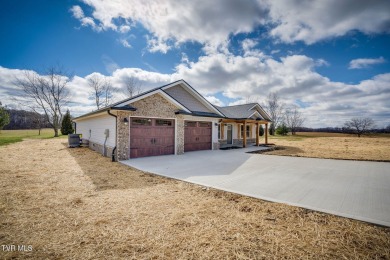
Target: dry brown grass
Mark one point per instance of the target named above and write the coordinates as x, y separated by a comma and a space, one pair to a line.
334, 146
73, 203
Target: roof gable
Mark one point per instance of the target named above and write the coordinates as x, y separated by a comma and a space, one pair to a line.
186, 98
153, 92
190, 98
245, 111
179, 93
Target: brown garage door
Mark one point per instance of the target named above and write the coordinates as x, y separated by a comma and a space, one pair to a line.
151, 137
197, 136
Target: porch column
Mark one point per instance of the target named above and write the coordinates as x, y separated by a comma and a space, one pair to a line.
244, 135
257, 133
266, 133
222, 130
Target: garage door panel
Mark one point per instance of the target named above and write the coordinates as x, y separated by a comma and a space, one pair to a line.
140, 142
204, 139
151, 137
197, 136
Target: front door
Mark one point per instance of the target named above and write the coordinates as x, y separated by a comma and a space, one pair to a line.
229, 134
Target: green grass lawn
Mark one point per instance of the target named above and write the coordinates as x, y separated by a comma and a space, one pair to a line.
13, 136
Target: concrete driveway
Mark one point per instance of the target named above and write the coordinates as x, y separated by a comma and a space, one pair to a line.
353, 189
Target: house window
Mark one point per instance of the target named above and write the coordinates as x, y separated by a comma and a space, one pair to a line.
204, 124
141, 121
247, 132
190, 124
162, 122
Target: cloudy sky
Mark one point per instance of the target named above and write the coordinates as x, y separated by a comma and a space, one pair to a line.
331, 58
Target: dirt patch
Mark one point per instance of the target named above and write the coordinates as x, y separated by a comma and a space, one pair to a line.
106, 175
73, 203
340, 147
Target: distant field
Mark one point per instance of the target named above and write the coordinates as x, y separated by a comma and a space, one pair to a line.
13, 136
323, 134
373, 147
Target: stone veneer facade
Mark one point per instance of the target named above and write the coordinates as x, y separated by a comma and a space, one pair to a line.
154, 106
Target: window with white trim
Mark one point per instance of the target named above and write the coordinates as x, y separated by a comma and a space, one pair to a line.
247, 132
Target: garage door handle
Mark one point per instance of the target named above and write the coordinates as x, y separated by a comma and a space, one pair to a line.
152, 141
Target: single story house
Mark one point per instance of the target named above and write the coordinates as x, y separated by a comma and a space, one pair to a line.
171, 119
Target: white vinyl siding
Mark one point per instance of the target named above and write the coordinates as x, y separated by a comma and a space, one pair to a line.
98, 125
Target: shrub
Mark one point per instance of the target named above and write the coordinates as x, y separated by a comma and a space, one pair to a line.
282, 130
67, 127
4, 117
261, 131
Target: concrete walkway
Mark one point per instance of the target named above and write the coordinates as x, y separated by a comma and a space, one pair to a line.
353, 189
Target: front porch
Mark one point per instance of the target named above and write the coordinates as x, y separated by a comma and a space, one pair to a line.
243, 133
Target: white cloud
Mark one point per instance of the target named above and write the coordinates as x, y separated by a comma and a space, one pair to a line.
365, 63
157, 45
78, 13
125, 43
312, 21
180, 21
147, 79
249, 50
211, 23
109, 63
215, 101
124, 28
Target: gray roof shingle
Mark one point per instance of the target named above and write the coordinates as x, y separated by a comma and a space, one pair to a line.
238, 111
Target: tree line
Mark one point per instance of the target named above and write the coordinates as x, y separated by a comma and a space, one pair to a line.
287, 119
23, 119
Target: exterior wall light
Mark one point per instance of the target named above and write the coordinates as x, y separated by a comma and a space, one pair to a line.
126, 121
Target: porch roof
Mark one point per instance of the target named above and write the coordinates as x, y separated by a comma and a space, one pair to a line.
245, 111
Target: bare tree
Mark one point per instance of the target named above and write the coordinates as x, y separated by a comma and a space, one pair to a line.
359, 125
101, 90
132, 87
38, 121
275, 109
48, 93
293, 119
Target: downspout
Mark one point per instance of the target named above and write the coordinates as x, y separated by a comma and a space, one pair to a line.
104, 145
116, 130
